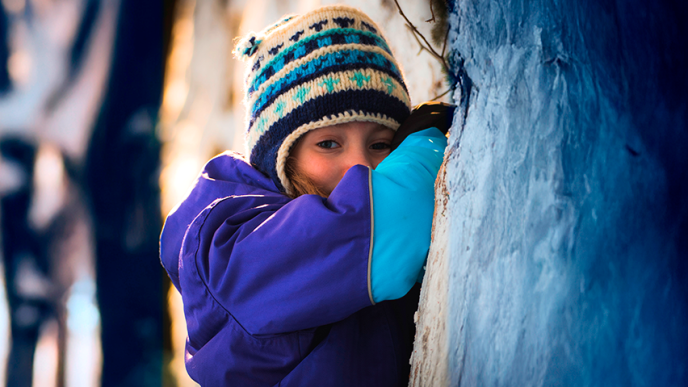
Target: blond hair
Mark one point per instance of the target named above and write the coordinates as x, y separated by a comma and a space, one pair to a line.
301, 184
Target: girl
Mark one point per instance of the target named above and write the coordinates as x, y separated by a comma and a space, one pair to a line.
296, 267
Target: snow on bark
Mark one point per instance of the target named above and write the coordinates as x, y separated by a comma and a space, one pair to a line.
558, 252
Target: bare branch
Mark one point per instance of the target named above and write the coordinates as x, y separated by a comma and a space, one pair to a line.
417, 34
444, 45
432, 12
420, 44
441, 95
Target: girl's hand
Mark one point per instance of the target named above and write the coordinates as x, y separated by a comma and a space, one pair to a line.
424, 116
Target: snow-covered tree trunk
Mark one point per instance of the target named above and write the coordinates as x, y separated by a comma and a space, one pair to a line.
559, 250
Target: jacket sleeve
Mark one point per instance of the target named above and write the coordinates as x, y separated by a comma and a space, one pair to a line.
403, 206
279, 267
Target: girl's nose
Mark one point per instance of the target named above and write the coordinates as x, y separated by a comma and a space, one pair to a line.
360, 157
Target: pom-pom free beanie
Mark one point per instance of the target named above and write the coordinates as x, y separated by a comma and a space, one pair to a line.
326, 67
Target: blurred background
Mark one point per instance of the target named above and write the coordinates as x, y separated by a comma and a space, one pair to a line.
108, 110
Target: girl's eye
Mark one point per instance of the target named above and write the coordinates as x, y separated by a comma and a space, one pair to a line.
327, 144
380, 146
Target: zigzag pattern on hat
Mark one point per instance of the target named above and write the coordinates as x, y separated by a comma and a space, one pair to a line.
329, 63
306, 46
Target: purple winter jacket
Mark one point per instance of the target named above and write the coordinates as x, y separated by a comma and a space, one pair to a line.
275, 290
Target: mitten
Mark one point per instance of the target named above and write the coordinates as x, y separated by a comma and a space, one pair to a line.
426, 115
403, 187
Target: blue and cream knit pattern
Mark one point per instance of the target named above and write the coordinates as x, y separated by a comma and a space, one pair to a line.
326, 67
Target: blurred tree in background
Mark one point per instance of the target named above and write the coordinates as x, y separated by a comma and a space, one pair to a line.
80, 88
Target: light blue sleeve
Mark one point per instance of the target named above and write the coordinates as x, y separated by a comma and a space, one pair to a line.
403, 205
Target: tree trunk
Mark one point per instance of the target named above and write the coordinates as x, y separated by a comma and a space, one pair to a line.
559, 247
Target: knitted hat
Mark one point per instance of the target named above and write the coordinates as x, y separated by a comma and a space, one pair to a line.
326, 67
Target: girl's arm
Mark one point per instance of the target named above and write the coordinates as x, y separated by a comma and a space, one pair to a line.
277, 265
403, 205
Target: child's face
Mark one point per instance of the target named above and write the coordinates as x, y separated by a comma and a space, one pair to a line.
325, 154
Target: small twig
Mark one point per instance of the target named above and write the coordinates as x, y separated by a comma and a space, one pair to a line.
422, 47
444, 45
432, 12
441, 95
417, 33
414, 29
